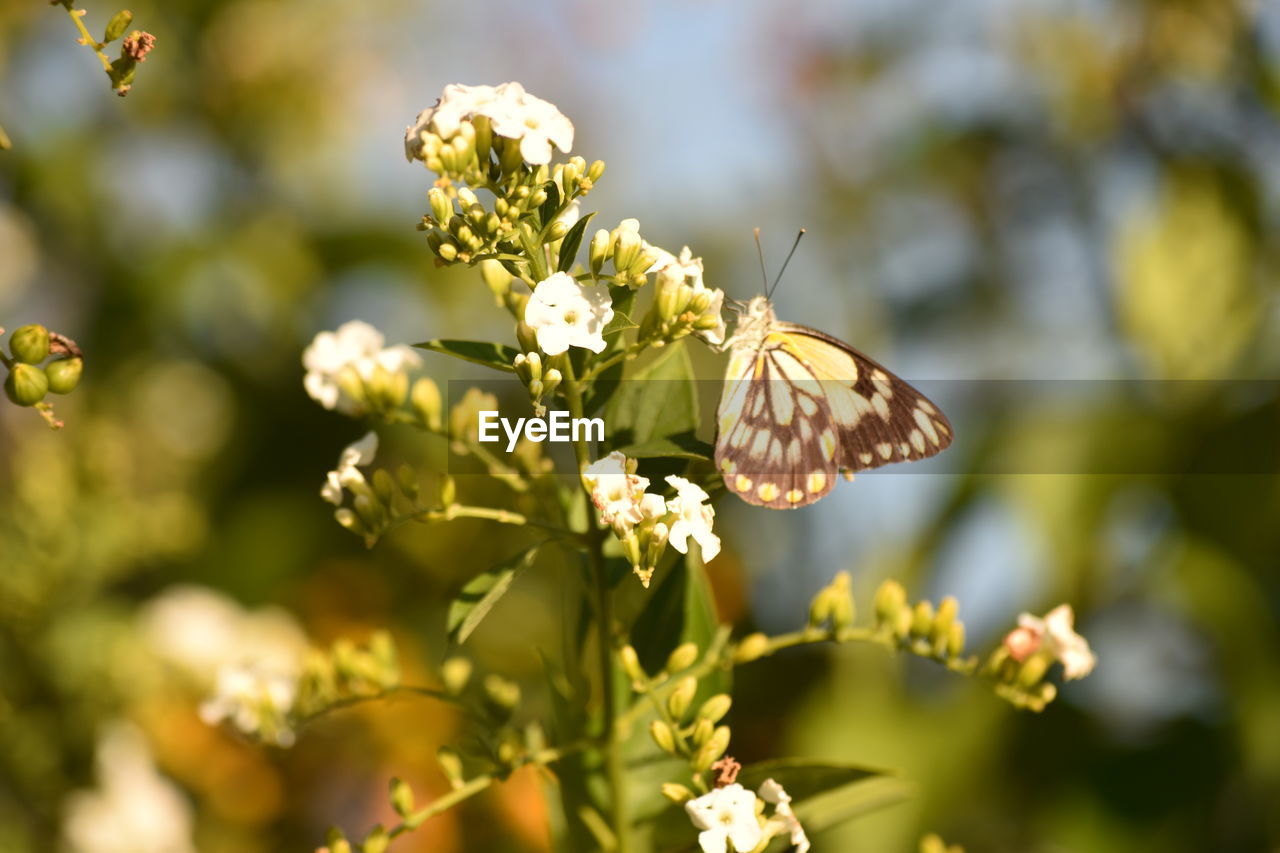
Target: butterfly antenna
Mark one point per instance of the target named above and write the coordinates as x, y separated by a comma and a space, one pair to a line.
764, 276
794, 246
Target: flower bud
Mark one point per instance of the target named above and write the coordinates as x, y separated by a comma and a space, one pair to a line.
598, 250
26, 384
407, 480
712, 750
30, 344
715, 708
751, 647
890, 598
448, 491
503, 695
451, 763
631, 664
680, 699
425, 400
376, 841
842, 607
820, 608
955, 640
682, 657
596, 170
441, 206
922, 619
466, 198
383, 486
662, 736
626, 246
401, 797
348, 520
64, 374
702, 731
455, 673
483, 137
551, 381
558, 229
1032, 671
676, 792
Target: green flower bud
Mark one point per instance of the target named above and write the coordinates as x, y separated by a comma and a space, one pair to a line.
569, 175
712, 750
376, 841
682, 657
467, 198
702, 731
401, 797
922, 619
820, 608
676, 793
526, 337
64, 374
551, 381
30, 344
751, 647
662, 736
715, 708
502, 694
448, 252
26, 384
117, 25
944, 619
626, 247
448, 491
558, 229
599, 250
383, 486
407, 480
631, 664
680, 699
1032, 671
890, 598
345, 517
451, 763
455, 673
441, 206
955, 640
426, 403
483, 137
596, 171
842, 607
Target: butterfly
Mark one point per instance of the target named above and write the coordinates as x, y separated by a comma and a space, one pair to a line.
799, 407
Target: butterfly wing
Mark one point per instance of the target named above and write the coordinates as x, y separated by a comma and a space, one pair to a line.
777, 444
803, 406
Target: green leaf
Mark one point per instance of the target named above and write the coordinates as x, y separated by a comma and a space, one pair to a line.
482, 592
683, 445
492, 355
119, 22
654, 401
826, 793
603, 388
550, 207
572, 240
680, 610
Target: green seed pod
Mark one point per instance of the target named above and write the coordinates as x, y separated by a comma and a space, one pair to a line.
26, 384
64, 374
662, 736
751, 647
680, 699
682, 657
30, 344
401, 797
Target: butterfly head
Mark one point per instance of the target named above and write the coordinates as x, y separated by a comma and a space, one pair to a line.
754, 319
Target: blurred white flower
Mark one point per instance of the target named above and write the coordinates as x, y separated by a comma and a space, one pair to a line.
513, 112
726, 816
783, 818
200, 630
134, 809
1056, 633
616, 494
693, 518
338, 363
563, 313
255, 700
358, 453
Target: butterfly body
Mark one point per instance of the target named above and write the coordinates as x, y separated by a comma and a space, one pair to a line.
800, 407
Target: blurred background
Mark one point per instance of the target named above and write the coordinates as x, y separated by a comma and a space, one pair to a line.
1002, 196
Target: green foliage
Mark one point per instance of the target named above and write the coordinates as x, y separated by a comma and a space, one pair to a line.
482, 592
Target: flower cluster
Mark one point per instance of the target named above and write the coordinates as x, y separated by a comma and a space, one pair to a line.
1054, 637
508, 111
683, 304
732, 815
351, 371
28, 382
645, 523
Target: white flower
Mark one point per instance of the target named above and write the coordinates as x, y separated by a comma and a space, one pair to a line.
134, 809
726, 816
618, 496
513, 112
693, 518
199, 630
1056, 631
566, 314
353, 352
358, 453
255, 700
783, 818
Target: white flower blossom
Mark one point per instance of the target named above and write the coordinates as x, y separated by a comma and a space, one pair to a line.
255, 700
783, 817
1056, 632
564, 313
513, 112
693, 518
134, 809
357, 453
616, 494
353, 352
726, 816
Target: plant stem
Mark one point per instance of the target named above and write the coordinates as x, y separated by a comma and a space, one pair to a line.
78, 18
615, 768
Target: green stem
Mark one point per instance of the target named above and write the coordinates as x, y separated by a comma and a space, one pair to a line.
615, 767
77, 18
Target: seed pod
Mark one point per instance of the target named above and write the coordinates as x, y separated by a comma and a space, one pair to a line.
30, 344
26, 384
